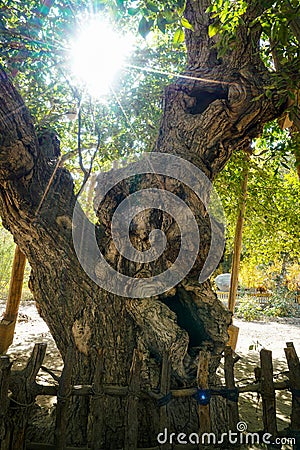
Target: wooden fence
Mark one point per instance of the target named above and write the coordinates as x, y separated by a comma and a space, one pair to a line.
19, 389
262, 298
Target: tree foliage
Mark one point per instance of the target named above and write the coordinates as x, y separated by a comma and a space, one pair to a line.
272, 226
35, 37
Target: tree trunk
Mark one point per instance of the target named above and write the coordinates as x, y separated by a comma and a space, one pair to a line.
203, 122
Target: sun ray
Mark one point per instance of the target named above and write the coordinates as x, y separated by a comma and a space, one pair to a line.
173, 74
132, 128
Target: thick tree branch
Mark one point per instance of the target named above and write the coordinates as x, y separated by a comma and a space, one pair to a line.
18, 142
200, 48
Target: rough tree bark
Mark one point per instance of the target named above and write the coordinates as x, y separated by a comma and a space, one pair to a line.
203, 121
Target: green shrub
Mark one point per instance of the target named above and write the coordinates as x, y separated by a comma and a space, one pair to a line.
249, 309
282, 304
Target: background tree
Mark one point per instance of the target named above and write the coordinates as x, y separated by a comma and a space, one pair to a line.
271, 224
228, 91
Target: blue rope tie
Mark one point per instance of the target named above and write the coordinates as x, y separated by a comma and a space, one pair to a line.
165, 400
202, 396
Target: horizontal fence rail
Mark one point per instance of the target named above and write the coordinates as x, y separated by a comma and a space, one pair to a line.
19, 389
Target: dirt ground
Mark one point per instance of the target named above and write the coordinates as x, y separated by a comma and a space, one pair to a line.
253, 336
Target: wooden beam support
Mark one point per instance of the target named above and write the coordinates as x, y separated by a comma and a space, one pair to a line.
8, 322
233, 331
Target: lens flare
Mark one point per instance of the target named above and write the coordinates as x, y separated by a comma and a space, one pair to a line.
97, 54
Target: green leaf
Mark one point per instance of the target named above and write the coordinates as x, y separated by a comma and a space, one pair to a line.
283, 34
133, 11
120, 3
268, 93
213, 29
169, 16
178, 37
161, 23
152, 7
145, 26
181, 3
186, 24
181, 7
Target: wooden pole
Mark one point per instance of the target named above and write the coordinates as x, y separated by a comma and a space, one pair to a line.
232, 405
132, 412
5, 432
202, 382
165, 384
268, 393
233, 330
8, 322
63, 401
294, 378
23, 396
97, 404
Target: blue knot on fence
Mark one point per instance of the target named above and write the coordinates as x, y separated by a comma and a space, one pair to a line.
202, 396
165, 400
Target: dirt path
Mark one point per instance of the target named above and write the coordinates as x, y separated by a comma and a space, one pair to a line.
273, 336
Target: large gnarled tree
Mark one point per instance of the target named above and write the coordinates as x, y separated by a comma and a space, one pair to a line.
218, 107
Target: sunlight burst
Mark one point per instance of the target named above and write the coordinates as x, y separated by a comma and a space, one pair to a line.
98, 53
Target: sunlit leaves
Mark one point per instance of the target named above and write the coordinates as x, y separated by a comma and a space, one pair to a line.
152, 6
272, 224
186, 24
213, 29
178, 37
279, 22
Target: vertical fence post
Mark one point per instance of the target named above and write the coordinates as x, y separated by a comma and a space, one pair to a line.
165, 385
97, 404
132, 418
268, 393
5, 367
63, 401
231, 402
202, 383
294, 378
23, 397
